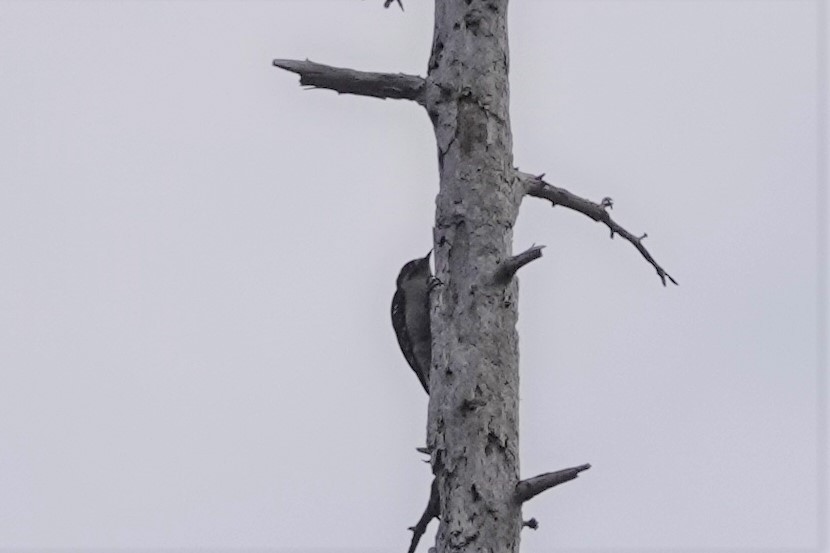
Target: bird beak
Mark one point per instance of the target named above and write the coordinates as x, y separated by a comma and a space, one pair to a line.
429, 253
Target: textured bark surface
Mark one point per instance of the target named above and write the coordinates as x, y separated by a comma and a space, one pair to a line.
473, 410
349, 81
472, 431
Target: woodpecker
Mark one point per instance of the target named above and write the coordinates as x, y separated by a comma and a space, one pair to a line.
410, 316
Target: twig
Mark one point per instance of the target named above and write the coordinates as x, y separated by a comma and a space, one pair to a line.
509, 266
535, 186
532, 487
432, 511
349, 81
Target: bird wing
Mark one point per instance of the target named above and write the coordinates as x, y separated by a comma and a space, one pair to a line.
399, 324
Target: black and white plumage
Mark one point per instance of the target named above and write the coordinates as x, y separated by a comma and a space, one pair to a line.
410, 316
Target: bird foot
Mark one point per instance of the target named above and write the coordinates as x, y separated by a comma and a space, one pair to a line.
434, 282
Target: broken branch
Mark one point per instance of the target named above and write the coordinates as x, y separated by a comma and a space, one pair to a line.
432, 511
508, 267
533, 524
526, 489
538, 188
349, 81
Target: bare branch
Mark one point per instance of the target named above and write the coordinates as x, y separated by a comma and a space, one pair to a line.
532, 487
349, 81
509, 266
535, 186
432, 511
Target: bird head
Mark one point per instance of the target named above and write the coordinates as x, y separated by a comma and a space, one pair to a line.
415, 268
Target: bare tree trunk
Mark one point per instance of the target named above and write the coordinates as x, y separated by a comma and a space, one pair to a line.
473, 422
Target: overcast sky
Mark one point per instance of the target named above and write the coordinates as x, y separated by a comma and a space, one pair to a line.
198, 258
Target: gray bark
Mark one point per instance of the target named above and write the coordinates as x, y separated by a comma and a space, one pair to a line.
348, 81
473, 417
472, 429
530, 488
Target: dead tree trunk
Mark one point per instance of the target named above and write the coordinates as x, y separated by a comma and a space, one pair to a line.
473, 421
473, 425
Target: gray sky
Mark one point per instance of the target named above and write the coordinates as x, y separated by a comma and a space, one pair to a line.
198, 260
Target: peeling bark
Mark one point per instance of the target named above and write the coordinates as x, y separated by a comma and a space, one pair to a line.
473, 409
472, 429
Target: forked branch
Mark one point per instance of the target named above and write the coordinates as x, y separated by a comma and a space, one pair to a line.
535, 186
532, 487
362, 83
